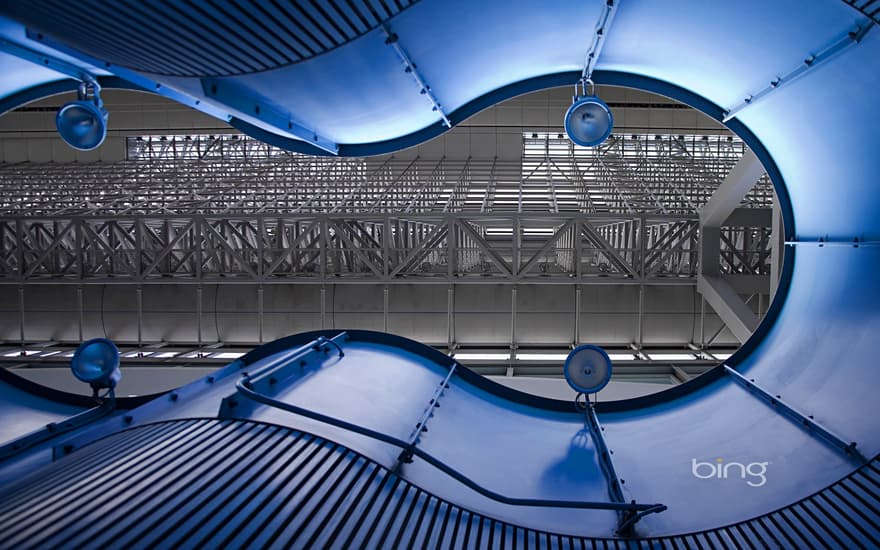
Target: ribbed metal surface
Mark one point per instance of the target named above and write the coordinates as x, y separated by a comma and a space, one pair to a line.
187, 38
234, 484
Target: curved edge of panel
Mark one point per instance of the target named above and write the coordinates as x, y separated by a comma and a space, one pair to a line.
56, 87
612, 78
66, 398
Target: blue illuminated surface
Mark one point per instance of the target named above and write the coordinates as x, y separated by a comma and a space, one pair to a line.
819, 353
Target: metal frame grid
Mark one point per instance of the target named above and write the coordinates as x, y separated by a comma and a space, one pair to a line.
230, 208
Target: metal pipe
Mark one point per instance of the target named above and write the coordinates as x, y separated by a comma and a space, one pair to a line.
242, 386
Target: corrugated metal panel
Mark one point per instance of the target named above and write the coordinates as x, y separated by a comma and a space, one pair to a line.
231, 484
185, 38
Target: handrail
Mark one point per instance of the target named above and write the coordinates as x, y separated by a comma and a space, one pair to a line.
637, 509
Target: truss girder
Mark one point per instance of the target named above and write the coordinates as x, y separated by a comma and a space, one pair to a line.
518, 248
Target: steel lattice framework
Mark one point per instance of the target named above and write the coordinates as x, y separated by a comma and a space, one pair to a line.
209, 208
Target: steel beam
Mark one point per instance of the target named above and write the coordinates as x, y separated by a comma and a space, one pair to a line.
727, 303
732, 191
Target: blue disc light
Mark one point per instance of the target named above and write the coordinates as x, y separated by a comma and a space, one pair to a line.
588, 122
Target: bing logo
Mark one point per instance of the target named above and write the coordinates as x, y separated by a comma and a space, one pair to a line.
754, 473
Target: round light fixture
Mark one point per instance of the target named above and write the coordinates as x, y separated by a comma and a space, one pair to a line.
587, 369
82, 124
588, 122
96, 362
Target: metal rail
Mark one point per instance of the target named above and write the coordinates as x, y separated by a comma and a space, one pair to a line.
803, 420
406, 456
242, 385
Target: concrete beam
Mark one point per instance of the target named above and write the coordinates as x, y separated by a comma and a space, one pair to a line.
727, 303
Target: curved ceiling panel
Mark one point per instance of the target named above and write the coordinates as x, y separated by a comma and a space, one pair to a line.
819, 128
177, 38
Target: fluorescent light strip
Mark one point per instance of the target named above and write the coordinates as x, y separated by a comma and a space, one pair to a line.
541, 356
482, 356
227, 355
671, 356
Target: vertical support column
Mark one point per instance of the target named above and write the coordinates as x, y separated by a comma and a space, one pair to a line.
724, 201
260, 311
702, 322
710, 250
452, 244
323, 307
139, 292
513, 322
516, 242
138, 250
576, 340
21, 317
385, 309
450, 319
643, 246
324, 241
640, 328
199, 318
79, 308
386, 250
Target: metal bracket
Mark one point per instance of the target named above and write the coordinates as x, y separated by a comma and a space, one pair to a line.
599, 35
54, 429
822, 242
811, 61
406, 456
393, 40
268, 379
261, 110
799, 418
626, 518
50, 62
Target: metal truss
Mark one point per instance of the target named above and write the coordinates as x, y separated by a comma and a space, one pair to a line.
640, 173
229, 175
389, 248
211, 208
